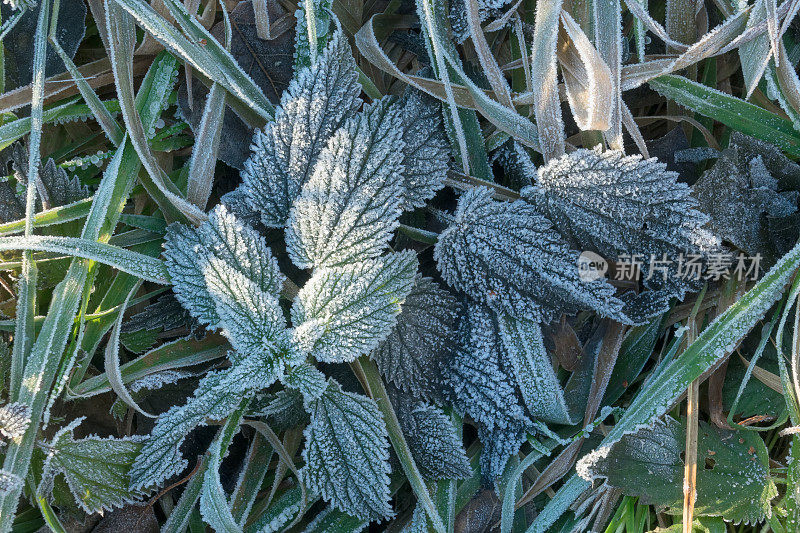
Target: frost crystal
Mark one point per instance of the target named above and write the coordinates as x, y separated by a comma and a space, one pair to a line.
411, 355
481, 382
352, 308
251, 319
9, 481
740, 193
187, 250
508, 256
346, 454
309, 381
14, 420
216, 397
349, 207
96, 469
436, 447
316, 103
614, 204
427, 151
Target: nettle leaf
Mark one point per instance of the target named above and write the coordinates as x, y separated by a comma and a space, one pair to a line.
733, 479
314, 106
614, 204
344, 312
97, 470
430, 433
506, 255
239, 247
426, 154
349, 207
499, 444
307, 380
217, 396
14, 420
251, 319
55, 188
481, 382
346, 454
411, 356
741, 194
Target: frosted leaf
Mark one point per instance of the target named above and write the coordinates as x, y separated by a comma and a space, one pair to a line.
97, 470
353, 308
411, 355
614, 204
14, 420
186, 250
9, 482
330, 520
733, 481
284, 410
482, 384
509, 257
55, 187
499, 444
418, 522
12, 205
349, 207
430, 434
316, 103
164, 314
216, 396
242, 248
306, 379
518, 168
739, 193
250, 318
427, 150
346, 454
533, 368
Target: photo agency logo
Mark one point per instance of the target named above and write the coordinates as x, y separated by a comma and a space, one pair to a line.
591, 266
634, 267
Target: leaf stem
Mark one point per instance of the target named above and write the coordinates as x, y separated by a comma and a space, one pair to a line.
378, 392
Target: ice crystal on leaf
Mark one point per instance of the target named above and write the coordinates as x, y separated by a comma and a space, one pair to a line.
316, 103
9, 481
481, 382
217, 395
436, 447
426, 153
741, 193
411, 355
615, 205
344, 312
96, 469
348, 208
346, 454
251, 319
307, 380
509, 257
14, 420
234, 244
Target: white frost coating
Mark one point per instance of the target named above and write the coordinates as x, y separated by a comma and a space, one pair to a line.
509, 257
412, 354
250, 318
97, 486
316, 103
431, 436
306, 379
14, 420
426, 155
349, 207
9, 481
346, 454
187, 250
216, 397
614, 204
356, 304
